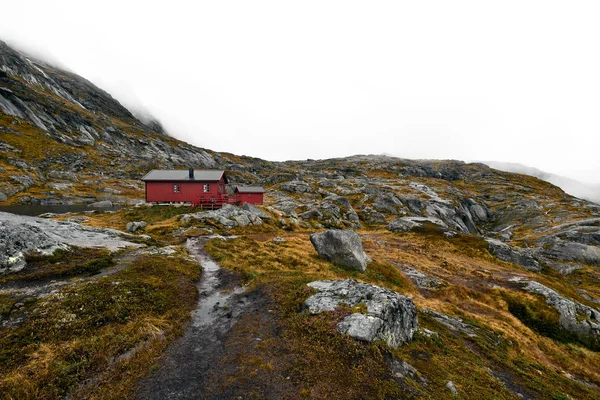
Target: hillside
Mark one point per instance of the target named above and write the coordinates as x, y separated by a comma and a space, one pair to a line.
64, 140
503, 268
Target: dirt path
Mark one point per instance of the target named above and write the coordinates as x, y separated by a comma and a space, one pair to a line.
185, 366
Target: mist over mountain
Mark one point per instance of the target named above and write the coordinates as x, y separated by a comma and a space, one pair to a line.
574, 187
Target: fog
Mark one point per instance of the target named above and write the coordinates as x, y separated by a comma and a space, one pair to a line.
513, 81
573, 187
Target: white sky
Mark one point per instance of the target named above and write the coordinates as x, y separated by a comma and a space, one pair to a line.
514, 81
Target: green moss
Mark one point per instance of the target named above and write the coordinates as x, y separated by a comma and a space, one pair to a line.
6, 304
80, 332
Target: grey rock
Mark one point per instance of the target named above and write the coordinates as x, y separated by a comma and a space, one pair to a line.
558, 249
251, 208
414, 204
458, 218
450, 386
312, 213
423, 281
65, 175
24, 180
296, 187
135, 226
78, 220
327, 183
428, 333
516, 255
575, 317
110, 190
370, 216
20, 235
479, 212
102, 204
342, 247
506, 236
387, 202
3, 197
389, 316
229, 216
279, 239
405, 224
60, 185
286, 205
453, 323
401, 369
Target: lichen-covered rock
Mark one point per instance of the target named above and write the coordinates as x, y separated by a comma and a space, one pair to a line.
516, 255
389, 316
20, 235
342, 247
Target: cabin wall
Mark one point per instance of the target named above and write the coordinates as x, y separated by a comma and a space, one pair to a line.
162, 192
252, 198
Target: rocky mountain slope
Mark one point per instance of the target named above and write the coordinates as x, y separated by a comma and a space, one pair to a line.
65, 140
500, 271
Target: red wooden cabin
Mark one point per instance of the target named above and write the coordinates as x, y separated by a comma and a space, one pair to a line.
250, 194
191, 186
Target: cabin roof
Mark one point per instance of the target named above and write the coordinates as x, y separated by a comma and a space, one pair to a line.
201, 175
250, 189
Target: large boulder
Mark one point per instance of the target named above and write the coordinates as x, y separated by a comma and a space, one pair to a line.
20, 235
342, 247
389, 316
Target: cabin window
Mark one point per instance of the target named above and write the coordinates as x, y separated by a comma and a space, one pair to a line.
206, 188
176, 188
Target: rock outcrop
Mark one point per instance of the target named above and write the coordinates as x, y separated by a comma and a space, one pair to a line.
342, 247
574, 317
229, 216
389, 316
516, 255
20, 235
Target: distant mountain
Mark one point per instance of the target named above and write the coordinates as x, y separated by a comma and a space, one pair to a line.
571, 186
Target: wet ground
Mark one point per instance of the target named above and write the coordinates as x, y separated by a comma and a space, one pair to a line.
190, 359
